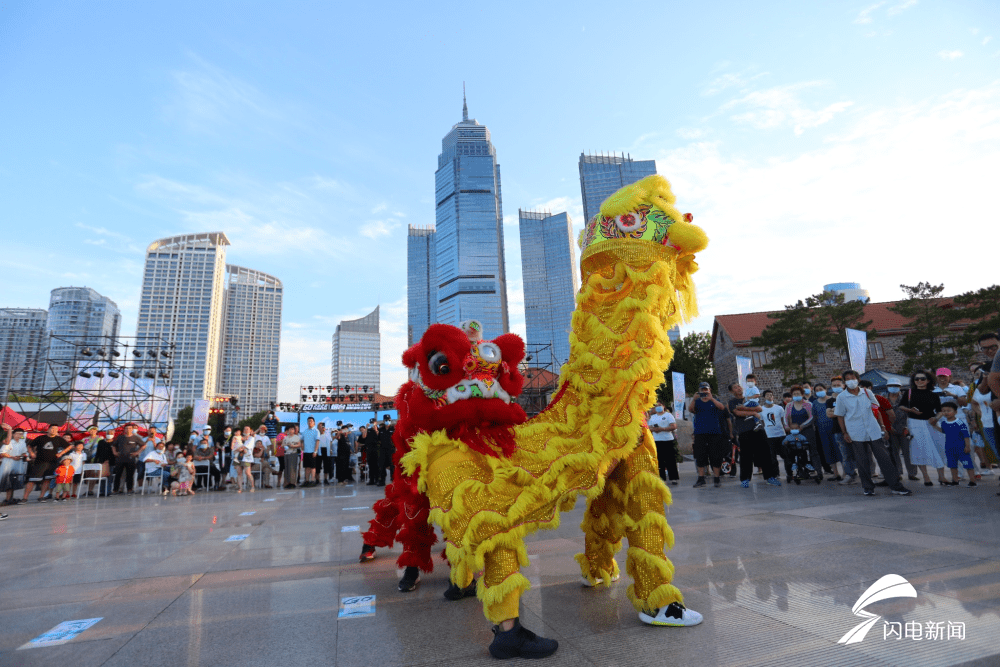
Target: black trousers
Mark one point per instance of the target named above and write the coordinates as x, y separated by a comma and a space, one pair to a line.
666, 457
863, 451
126, 468
384, 463
372, 458
324, 464
754, 451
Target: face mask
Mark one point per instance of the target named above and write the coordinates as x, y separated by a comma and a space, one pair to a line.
807, 391
795, 431
820, 394
797, 399
659, 408
837, 390
851, 384
228, 433
768, 402
893, 390
751, 383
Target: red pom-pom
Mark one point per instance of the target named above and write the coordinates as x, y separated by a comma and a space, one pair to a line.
688, 217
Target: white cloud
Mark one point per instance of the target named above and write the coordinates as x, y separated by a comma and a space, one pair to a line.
781, 106
865, 15
730, 80
691, 133
950, 55
901, 7
986, 40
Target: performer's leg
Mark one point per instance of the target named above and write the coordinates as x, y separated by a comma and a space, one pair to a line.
603, 530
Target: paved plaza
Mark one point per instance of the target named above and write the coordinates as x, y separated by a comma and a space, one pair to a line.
775, 571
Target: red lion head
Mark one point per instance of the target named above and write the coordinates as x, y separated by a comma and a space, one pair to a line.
464, 386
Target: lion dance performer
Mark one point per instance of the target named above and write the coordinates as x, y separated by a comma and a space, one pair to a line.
491, 478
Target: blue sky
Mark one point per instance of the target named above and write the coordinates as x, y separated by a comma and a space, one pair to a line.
815, 142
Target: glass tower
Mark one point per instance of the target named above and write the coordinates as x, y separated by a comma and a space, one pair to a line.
603, 175
357, 354
23, 350
183, 289
421, 290
471, 282
251, 337
548, 267
84, 317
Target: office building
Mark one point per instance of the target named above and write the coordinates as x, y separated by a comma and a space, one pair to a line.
421, 282
471, 279
602, 175
23, 349
79, 317
251, 338
549, 272
357, 354
183, 290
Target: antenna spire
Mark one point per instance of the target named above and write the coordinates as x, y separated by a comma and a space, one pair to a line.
465, 106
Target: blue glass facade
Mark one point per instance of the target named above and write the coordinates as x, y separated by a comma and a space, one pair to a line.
548, 267
603, 175
470, 274
421, 279
82, 316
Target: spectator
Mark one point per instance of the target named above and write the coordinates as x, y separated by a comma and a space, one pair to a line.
751, 399
862, 431
243, 461
799, 411
292, 443
204, 461
310, 436
369, 440
64, 480
262, 453
225, 454
846, 451
884, 415
385, 449
156, 461
184, 473
126, 448
709, 443
899, 441
795, 447
982, 410
345, 472
148, 445
774, 429
826, 444
271, 425
990, 345
786, 398
947, 391
663, 426
958, 441
753, 441
324, 454
43, 452
921, 404
77, 457
13, 462
99, 451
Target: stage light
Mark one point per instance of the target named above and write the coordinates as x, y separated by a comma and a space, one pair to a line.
303, 397
528, 358
137, 353
115, 353
165, 375
365, 388
233, 400
98, 374
84, 374
101, 352
165, 354
86, 352
347, 388
134, 374
152, 353
150, 374
329, 390
112, 374
310, 388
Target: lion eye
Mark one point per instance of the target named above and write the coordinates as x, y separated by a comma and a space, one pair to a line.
490, 352
438, 363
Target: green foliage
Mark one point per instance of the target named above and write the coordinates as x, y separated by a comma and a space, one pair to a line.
691, 358
839, 315
253, 421
52, 397
925, 346
182, 424
799, 333
983, 308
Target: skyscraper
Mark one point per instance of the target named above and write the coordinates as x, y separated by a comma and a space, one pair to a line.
251, 337
357, 353
421, 279
603, 175
78, 316
183, 289
471, 278
23, 348
548, 267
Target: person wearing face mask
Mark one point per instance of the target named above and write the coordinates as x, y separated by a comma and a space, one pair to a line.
773, 417
846, 451
225, 455
799, 411
13, 462
862, 431
663, 425
981, 409
828, 451
899, 441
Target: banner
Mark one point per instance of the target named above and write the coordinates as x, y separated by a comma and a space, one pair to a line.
857, 349
744, 367
677, 380
199, 420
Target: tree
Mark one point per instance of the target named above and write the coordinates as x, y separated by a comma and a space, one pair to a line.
982, 307
926, 346
182, 424
253, 421
839, 315
799, 333
691, 358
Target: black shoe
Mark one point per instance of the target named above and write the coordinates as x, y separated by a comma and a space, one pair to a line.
3, 516
380, 484
42, 500
718, 482
370, 484
700, 482
367, 553
455, 593
913, 478
519, 642
869, 493
411, 577
882, 483
901, 491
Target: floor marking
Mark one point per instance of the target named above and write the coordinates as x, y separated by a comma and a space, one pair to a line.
67, 630
350, 529
269, 500
237, 538
357, 606
347, 509
247, 513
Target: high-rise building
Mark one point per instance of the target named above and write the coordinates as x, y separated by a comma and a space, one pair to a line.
603, 175
471, 278
421, 282
78, 317
357, 353
183, 290
23, 349
548, 268
251, 337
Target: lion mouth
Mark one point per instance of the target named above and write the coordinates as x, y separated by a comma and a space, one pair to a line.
466, 389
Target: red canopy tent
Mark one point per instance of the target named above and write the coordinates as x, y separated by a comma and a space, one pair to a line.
17, 420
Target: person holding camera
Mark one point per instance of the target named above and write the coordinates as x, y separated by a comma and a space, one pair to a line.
709, 441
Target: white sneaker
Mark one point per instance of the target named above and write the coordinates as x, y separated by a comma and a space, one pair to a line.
674, 614
598, 581
847, 480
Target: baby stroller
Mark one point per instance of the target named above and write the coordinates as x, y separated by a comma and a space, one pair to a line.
731, 459
798, 463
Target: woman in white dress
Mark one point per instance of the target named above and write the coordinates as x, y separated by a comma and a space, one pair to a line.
242, 461
921, 404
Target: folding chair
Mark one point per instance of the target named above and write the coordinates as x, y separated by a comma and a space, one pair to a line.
99, 477
203, 469
148, 481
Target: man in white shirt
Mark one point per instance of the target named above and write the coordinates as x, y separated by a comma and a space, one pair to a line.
663, 425
862, 432
773, 417
324, 460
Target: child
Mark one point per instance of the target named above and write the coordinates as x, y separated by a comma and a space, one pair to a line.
796, 446
77, 457
185, 474
64, 480
958, 442
751, 399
